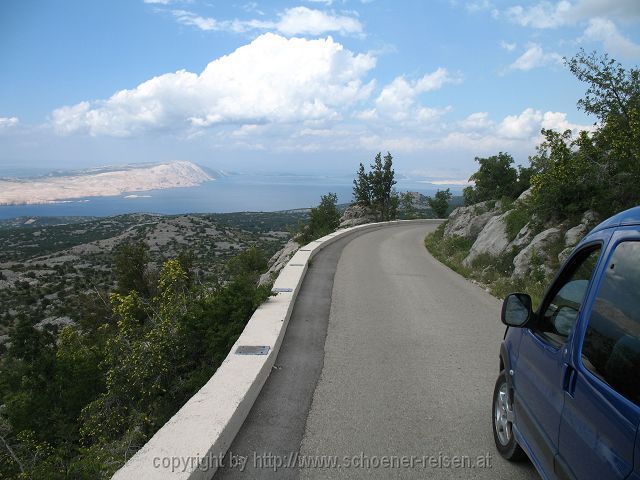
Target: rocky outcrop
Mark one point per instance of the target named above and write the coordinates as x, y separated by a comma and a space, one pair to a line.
469, 221
357, 215
538, 247
492, 240
278, 261
524, 195
523, 238
573, 236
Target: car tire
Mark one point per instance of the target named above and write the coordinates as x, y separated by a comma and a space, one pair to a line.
501, 421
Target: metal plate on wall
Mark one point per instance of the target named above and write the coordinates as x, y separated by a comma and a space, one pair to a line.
252, 350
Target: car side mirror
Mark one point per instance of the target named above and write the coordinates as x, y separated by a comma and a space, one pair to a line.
516, 310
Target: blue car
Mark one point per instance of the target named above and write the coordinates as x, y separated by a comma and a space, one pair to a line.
568, 393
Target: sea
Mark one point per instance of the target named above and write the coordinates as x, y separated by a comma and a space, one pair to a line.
234, 193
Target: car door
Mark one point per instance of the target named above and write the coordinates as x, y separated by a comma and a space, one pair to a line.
602, 388
538, 375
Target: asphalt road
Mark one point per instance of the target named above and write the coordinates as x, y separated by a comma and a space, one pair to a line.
386, 371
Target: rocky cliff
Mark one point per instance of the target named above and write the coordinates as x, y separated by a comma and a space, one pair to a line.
504, 233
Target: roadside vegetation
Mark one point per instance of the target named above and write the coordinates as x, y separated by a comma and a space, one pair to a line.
147, 322
571, 180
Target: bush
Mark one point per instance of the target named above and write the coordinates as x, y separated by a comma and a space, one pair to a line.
515, 221
323, 219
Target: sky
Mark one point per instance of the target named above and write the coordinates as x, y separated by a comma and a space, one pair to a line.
310, 86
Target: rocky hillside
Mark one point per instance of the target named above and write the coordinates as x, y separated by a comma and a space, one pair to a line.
501, 246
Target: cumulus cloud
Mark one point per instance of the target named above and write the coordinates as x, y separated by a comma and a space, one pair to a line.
529, 123
271, 80
535, 57
293, 21
605, 31
398, 97
520, 126
477, 121
6, 122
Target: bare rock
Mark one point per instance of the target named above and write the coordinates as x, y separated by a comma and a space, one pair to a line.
469, 221
539, 247
54, 321
590, 218
524, 195
575, 234
357, 215
523, 238
278, 261
564, 254
492, 239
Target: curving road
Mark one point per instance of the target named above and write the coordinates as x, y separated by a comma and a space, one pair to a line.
386, 371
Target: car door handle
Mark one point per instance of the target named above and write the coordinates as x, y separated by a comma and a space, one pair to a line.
569, 379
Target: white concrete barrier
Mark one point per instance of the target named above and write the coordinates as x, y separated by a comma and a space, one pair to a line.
194, 441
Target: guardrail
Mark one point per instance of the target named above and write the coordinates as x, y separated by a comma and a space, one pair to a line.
192, 444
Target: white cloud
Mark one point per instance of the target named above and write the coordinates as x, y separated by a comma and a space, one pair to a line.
6, 122
547, 14
558, 121
158, 2
510, 47
477, 121
306, 21
520, 126
271, 80
478, 5
620, 9
605, 31
541, 15
188, 18
529, 123
293, 21
398, 97
535, 57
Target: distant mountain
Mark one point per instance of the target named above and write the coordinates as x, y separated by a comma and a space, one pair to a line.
104, 181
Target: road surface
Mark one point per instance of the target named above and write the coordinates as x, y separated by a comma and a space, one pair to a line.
386, 371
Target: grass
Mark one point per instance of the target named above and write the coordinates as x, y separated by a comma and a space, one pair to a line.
494, 272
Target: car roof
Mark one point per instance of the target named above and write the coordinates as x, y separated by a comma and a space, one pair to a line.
628, 217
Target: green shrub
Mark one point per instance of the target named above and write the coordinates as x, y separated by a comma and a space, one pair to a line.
515, 221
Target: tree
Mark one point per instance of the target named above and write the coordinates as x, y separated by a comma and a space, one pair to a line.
362, 188
323, 219
375, 188
613, 149
440, 202
496, 178
131, 267
407, 206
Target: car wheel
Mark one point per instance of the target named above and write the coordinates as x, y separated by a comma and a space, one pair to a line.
502, 420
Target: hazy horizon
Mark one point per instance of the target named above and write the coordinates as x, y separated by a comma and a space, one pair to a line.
307, 87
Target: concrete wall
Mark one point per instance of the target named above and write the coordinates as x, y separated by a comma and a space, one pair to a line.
194, 441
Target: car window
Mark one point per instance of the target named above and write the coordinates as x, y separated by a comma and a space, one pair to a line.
611, 348
560, 312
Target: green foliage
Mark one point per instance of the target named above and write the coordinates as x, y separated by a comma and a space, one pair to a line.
406, 205
496, 178
515, 220
450, 251
362, 187
131, 267
492, 271
323, 219
375, 188
79, 406
440, 202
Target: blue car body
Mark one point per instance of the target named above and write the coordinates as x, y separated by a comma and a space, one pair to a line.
573, 419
